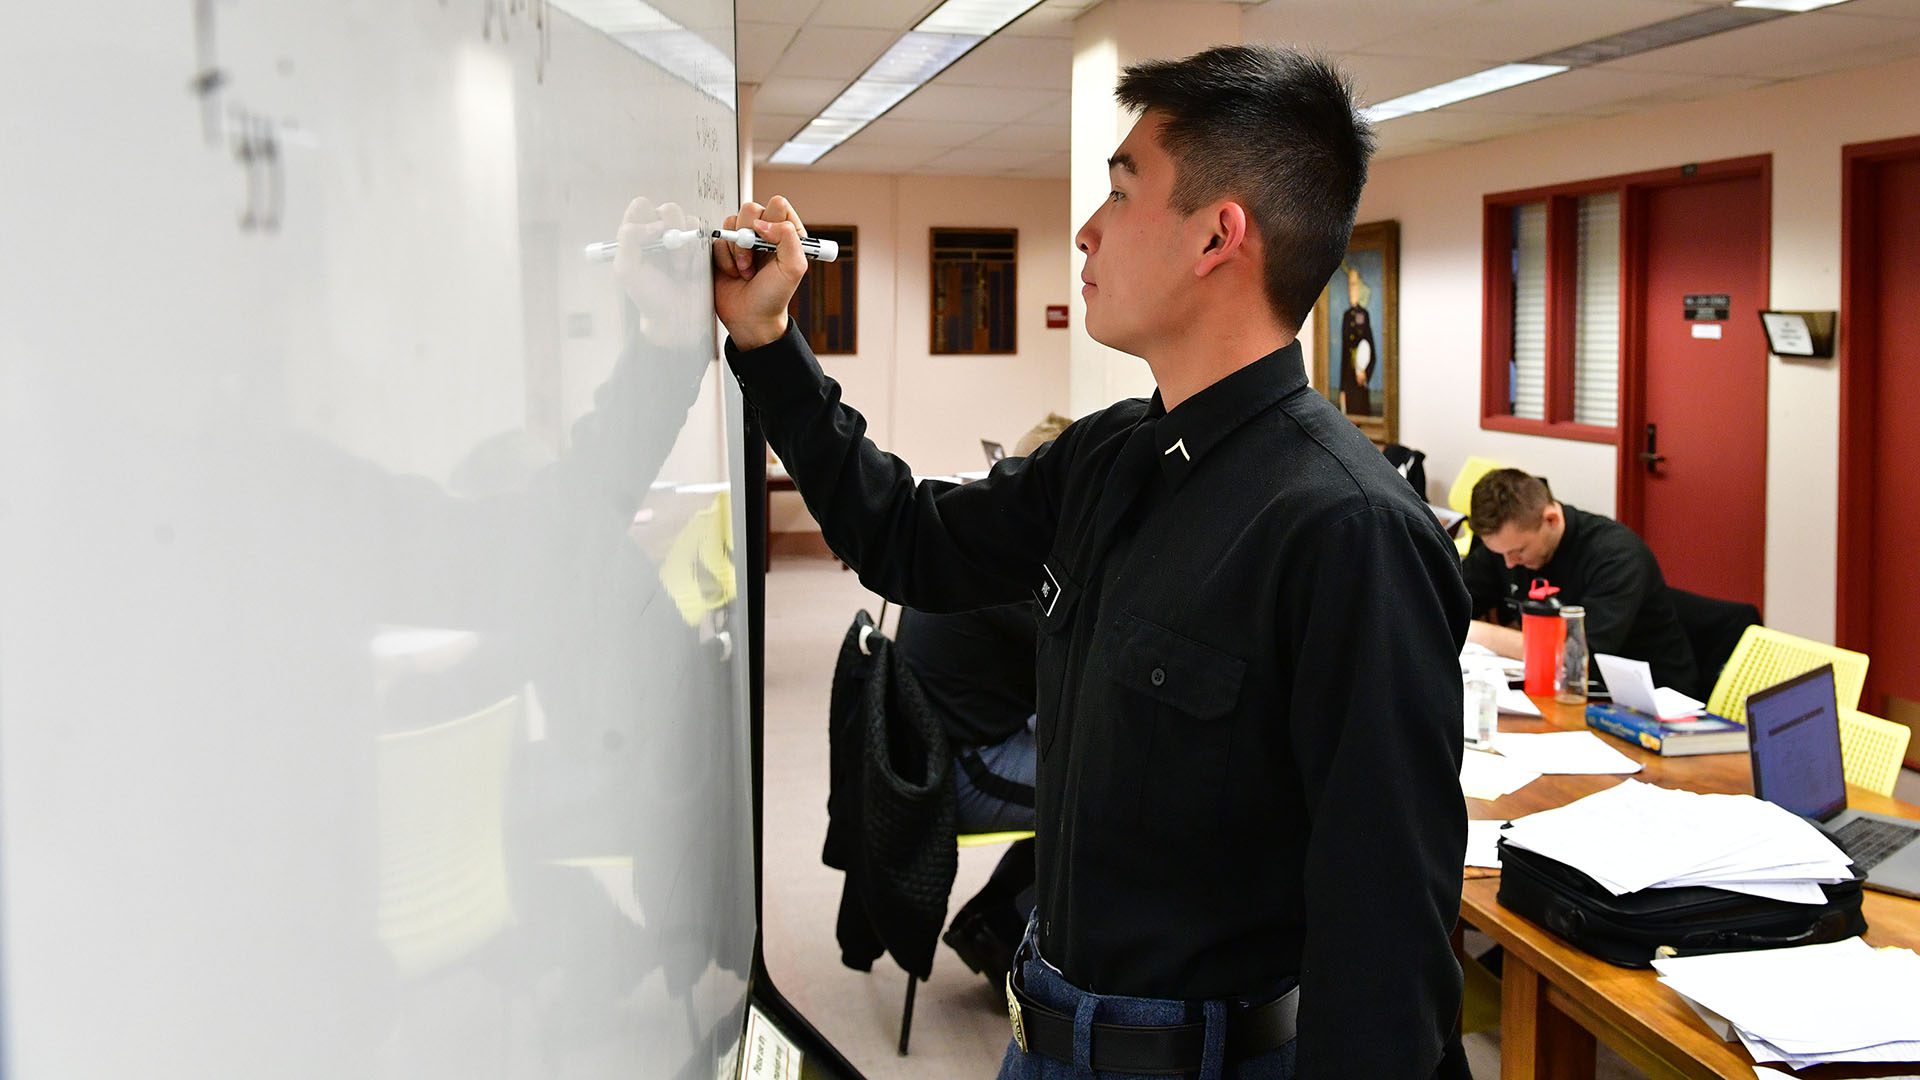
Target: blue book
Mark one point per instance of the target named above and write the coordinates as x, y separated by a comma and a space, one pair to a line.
1703, 734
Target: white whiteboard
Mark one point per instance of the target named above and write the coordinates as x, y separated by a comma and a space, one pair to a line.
373, 698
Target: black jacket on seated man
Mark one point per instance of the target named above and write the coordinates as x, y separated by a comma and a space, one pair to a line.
1603, 566
976, 667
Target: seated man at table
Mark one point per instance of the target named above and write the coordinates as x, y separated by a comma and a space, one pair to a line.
977, 668
1521, 532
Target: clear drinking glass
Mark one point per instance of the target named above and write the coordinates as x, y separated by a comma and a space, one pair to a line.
1482, 701
1570, 682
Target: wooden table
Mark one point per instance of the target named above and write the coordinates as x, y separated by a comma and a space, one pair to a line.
1556, 1000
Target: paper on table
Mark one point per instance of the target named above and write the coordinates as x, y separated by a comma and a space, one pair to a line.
1785, 997
1564, 753
1517, 703
1480, 658
1631, 683
1490, 776
1483, 843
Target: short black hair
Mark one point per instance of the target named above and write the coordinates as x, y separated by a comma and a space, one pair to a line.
1275, 130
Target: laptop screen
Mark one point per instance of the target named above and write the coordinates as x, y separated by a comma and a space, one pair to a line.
1796, 746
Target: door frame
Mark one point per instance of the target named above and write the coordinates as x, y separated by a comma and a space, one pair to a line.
1629, 494
1858, 359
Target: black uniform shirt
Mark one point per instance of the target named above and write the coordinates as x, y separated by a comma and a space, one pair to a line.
976, 668
1249, 690
1604, 567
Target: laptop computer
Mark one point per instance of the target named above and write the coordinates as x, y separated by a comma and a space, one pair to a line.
1795, 745
995, 452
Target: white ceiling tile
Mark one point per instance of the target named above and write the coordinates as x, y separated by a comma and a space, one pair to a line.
1691, 90
977, 162
760, 46
1378, 78
1047, 20
833, 52
1051, 109
878, 159
937, 102
941, 134
774, 128
1037, 63
1345, 25
1502, 31
1780, 48
895, 15
1410, 147
1049, 137
796, 97
784, 12
1446, 125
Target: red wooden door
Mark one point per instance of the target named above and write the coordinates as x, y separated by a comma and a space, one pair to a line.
1879, 507
1696, 451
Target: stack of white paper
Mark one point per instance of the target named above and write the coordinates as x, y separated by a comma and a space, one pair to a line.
1490, 776
1818, 1003
1564, 753
1636, 836
1631, 684
1483, 843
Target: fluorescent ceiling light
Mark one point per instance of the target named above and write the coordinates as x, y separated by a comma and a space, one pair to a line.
980, 18
946, 35
1787, 5
673, 48
1469, 86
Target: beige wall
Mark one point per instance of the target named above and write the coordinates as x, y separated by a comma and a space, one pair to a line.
934, 410
1437, 200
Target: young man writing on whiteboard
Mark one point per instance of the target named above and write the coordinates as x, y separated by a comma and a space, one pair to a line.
1250, 829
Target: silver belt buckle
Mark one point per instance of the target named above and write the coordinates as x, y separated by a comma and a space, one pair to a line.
1013, 1016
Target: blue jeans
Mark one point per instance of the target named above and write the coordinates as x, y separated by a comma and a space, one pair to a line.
1002, 799
1047, 986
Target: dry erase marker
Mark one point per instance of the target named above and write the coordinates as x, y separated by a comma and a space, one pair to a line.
675, 239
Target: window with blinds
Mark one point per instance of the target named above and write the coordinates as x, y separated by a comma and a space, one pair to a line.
1596, 312
1551, 352
826, 306
1527, 371
973, 290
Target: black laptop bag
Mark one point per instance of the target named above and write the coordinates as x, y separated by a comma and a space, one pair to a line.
1629, 930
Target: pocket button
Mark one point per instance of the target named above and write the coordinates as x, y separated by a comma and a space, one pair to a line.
1159, 676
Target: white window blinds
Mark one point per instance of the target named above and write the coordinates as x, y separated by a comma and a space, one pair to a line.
1596, 313
1527, 385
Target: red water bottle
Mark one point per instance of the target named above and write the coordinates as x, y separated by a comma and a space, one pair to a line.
1543, 634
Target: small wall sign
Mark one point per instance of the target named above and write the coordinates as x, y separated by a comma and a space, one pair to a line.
1712, 307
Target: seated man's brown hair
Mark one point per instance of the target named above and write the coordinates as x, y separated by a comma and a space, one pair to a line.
1507, 497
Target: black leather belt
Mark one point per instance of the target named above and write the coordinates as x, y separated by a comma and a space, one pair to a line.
1169, 1049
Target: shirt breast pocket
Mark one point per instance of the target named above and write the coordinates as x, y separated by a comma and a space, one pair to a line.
1175, 723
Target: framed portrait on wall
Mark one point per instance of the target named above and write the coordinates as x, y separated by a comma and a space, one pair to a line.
1356, 332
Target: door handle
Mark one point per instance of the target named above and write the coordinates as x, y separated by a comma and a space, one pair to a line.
1651, 456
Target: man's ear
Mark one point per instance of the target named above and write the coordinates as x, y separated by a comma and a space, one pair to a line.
1225, 238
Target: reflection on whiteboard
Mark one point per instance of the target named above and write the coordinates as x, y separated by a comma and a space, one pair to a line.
368, 705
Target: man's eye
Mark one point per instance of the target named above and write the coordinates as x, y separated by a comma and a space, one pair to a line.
1113, 196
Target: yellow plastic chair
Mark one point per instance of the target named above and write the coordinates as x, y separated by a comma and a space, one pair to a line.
1871, 750
1767, 657
443, 868
1460, 495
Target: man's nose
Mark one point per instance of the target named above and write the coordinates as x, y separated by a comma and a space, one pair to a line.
1087, 239
1513, 560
